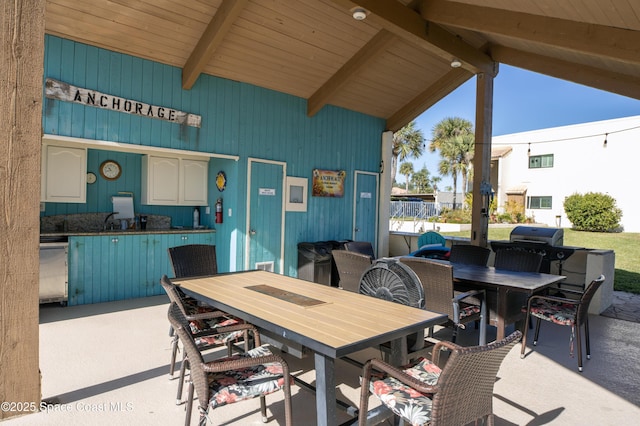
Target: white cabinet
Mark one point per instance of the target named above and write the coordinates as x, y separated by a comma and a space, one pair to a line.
64, 174
171, 181
193, 182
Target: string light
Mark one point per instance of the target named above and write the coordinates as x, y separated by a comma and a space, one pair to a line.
569, 139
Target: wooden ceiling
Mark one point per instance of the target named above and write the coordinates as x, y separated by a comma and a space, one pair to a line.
394, 64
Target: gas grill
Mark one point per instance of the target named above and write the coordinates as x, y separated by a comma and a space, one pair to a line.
546, 241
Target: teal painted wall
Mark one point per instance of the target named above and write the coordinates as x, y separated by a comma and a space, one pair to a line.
237, 119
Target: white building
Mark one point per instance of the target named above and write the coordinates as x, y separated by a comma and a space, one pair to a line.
540, 168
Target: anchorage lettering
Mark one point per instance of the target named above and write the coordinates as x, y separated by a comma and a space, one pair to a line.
66, 92
126, 106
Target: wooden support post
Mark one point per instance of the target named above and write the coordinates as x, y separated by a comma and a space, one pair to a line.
482, 160
21, 56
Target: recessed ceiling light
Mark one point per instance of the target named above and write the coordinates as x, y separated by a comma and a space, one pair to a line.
455, 63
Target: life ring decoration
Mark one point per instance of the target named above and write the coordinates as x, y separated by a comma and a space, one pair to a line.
221, 181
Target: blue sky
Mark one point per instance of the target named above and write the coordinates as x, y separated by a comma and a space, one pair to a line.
523, 101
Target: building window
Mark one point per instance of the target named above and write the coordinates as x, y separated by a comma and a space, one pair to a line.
540, 161
539, 202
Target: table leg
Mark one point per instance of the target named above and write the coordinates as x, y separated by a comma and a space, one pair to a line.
399, 352
326, 410
502, 312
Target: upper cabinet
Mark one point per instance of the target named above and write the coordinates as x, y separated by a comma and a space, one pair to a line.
64, 174
193, 182
174, 181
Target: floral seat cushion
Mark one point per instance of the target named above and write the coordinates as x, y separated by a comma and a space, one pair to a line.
468, 310
405, 401
246, 383
216, 339
558, 313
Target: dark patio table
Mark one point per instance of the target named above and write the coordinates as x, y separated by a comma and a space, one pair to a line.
503, 282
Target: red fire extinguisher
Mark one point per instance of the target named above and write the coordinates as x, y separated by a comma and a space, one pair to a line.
219, 210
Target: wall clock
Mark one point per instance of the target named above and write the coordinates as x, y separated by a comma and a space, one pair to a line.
110, 170
91, 178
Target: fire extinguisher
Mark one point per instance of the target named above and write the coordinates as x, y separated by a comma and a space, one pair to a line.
219, 210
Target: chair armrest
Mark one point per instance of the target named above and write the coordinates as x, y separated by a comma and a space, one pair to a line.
236, 364
435, 354
229, 329
397, 374
483, 303
469, 293
205, 315
552, 299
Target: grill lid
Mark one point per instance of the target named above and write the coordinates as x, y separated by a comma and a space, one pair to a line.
551, 236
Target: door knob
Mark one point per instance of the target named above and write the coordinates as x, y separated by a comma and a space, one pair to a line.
252, 232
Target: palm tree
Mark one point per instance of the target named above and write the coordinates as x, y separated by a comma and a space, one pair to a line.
406, 169
454, 138
407, 142
421, 180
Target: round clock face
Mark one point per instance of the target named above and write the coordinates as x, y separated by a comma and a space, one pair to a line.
110, 170
91, 178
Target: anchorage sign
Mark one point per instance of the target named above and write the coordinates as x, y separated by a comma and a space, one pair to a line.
55, 89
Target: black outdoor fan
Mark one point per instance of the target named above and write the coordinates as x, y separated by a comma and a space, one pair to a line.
389, 279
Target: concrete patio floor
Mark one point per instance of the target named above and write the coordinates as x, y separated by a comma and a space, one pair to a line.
107, 364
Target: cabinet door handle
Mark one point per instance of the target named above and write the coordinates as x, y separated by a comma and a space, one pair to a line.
114, 240
184, 238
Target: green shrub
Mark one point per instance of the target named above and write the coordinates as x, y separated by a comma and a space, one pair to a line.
455, 216
593, 211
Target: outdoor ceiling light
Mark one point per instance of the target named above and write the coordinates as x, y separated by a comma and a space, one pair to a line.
359, 14
455, 63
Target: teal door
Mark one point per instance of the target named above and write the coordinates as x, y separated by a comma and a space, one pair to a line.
366, 208
265, 228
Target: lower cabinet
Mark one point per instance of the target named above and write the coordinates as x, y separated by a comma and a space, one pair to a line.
122, 266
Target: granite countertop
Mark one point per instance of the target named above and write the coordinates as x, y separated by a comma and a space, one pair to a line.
127, 232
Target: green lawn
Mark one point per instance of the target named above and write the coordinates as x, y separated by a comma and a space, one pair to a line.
625, 245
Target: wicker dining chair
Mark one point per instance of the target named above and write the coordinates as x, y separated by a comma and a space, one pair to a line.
518, 260
363, 247
255, 373
459, 393
193, 260
437, 281
469, 254
351, 266
210, 329
564, 311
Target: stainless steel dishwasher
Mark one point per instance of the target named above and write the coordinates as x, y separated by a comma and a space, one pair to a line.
53, 270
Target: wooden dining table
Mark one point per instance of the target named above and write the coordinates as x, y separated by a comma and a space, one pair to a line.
503, 283
331, 322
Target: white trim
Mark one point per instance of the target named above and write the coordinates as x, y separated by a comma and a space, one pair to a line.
248, 215
127, 147
355, 198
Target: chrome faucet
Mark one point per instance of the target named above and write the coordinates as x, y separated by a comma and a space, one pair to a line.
106, 219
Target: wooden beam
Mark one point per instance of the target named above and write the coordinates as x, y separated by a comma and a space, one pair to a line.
610, 81
599, 40
428, 98
409, 25
212, 37
348, 71
482, 161
22, 59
